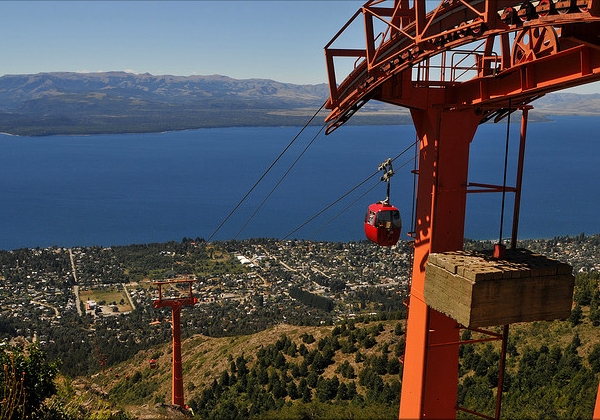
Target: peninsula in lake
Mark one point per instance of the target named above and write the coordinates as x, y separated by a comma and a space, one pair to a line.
120, 102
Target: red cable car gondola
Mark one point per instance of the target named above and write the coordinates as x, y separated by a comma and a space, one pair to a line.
382, 222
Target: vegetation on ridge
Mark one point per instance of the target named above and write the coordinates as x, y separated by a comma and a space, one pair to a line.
256, 369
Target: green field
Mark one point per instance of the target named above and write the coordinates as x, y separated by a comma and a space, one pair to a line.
111, 296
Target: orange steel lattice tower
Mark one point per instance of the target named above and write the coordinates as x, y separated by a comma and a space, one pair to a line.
456, 66
176, 303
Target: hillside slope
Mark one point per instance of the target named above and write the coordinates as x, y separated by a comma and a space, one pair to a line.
145, 393
353, 371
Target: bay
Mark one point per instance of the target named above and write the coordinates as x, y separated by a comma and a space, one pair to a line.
138, 188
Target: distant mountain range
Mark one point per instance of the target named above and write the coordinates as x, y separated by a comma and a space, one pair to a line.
82, 103
120, 102
559, 103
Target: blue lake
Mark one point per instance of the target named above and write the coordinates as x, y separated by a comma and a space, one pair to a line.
137, 188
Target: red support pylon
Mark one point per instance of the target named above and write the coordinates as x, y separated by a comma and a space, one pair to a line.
176, 304
445, 136
454, 68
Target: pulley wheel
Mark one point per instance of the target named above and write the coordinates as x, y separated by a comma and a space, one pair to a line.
533, 43
544, 8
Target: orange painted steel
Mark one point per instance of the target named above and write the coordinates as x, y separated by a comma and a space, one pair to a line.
550, 52
456, 66
176, 304
441, 206
597, 409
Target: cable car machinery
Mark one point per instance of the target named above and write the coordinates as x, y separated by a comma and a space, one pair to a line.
454, 68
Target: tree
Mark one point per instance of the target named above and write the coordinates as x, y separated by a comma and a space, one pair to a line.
594, 310
32, 374
262, 375
368, 342
276, 387
594, 358
321, 390
585, 287
304, 390
348, 347
307, 338
576, 315
292, 391
312, 378
393, 366
279, 361
380, 364
327, 389
346, 370
303, 369
319, 363
224, 379
351, 387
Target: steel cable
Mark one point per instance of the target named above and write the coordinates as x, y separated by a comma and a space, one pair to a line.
346, 194
279, 182
265, 173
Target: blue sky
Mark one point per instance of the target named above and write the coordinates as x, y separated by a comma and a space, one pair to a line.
280, 40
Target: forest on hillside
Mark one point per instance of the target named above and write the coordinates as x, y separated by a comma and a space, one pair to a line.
353, 370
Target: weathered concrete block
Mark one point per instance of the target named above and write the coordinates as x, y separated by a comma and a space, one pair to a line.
479, 291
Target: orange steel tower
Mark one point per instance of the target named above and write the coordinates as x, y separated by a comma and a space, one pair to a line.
176, 304
460, 64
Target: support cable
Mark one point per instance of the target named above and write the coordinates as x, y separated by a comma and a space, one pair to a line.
415, 172
505, 328
279, 182
344, 195
505, 171
265, 173
353, 203
343, 211
329, 206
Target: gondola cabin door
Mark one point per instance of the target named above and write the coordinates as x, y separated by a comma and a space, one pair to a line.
383, 224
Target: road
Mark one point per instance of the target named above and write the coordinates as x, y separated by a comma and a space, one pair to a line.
75, 286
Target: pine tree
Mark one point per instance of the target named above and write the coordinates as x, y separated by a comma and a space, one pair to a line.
576, 315
594, 310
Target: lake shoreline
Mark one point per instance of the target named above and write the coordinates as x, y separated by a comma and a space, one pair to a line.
370, 118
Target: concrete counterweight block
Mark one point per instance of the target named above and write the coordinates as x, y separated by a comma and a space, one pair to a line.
477, 290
